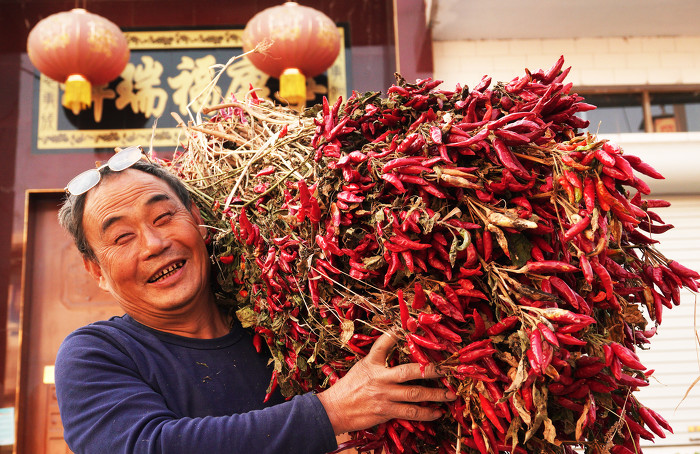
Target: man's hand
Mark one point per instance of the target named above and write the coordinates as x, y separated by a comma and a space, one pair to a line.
372, 393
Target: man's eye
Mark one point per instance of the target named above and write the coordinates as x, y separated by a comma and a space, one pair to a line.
163, 217
120, 239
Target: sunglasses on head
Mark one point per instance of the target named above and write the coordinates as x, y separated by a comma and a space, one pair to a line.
87, 180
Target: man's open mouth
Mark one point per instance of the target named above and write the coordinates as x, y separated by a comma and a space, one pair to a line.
165, 272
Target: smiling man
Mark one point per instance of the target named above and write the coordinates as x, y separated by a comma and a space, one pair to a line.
175, 374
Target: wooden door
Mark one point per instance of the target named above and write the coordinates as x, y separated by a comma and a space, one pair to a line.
58, 297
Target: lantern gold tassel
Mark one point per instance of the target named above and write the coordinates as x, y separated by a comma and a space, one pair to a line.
78, 94
293, 86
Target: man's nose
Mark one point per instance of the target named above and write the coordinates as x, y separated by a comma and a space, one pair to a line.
153, 242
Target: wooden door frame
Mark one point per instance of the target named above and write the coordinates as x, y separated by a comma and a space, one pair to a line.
20, 391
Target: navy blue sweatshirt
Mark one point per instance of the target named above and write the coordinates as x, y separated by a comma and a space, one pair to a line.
125, 388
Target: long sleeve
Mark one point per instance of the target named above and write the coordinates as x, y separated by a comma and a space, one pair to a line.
112, 401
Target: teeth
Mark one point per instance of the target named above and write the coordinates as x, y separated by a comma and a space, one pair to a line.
164, 272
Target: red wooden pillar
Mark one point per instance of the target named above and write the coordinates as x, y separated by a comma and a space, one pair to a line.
414, 44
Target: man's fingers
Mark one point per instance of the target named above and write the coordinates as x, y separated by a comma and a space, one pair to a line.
416, 393
412, 371
381, 348
413, 412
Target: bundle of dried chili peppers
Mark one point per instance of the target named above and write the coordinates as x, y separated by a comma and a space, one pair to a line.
499, 241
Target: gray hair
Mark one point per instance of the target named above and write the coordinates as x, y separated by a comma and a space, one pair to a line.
70, 215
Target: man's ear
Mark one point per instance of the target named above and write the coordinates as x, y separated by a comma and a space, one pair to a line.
194, 209
94, 269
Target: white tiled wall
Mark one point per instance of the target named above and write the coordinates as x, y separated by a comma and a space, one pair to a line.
594, 61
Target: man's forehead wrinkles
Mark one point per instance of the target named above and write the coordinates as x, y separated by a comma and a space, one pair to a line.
152, 200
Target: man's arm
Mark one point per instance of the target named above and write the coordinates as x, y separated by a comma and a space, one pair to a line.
107, 407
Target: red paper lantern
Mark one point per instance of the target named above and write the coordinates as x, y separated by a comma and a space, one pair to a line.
79, 49
305, 42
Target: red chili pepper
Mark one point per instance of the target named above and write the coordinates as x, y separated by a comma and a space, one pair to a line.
496, 124
475, 355
535, 366
496, 394
642, 167
637, 428
576, 228
273, 386
682, 271
451, 295
481, 135
257, 342
474, 346
472, 371
394, 181
445, 306
477, 437
407, 257
426, 343
586, 268
659, 419
313, 287
403, 161
269, 170
567, 403
569, 160
548, 334
403, 241
606, 280
629, 380
589, 370
567, 339
394, 264
605, 158
394, 437
418, 302
502, 325
548, 266
568, 188
436, 134
330, 373
509, 160
651, 422
417, 354
479, 326
412, 324
511, 137
490, 413
226, 259
488, 245
428, 319
550, 76
564, 290
573, 179
627, 356
567, 317
403, 309
624, 167
536, 349
433, 190
349, 197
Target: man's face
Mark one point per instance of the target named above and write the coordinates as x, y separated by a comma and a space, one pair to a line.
150, 250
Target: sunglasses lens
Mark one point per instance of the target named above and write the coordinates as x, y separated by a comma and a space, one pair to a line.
83, 182
120, 161
124, 159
